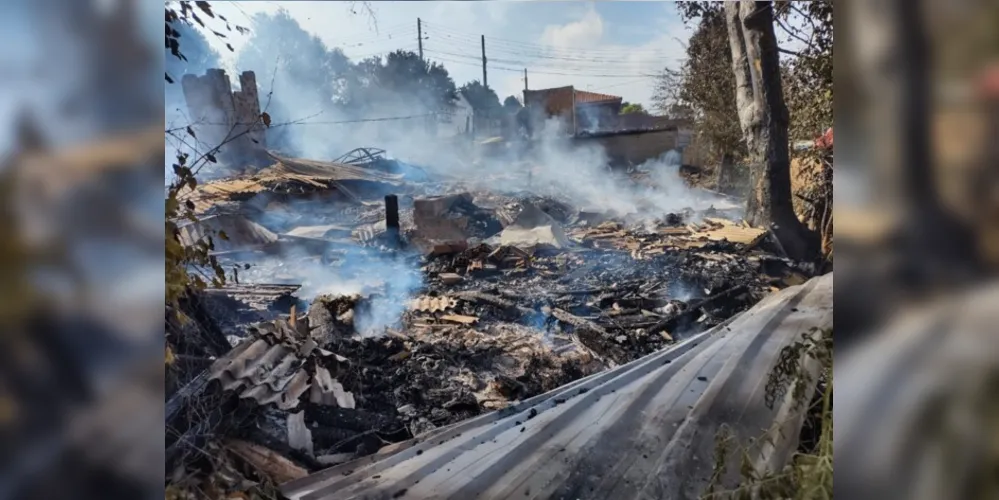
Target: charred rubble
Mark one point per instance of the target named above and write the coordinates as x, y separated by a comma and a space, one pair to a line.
339, 333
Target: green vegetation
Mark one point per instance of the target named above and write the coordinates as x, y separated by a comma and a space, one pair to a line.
809, 475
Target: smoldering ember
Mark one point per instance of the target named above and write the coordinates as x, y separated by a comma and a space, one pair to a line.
363, 301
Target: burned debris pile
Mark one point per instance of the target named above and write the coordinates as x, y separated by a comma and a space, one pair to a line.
345, 327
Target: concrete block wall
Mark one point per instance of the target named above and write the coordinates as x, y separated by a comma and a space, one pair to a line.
219, 115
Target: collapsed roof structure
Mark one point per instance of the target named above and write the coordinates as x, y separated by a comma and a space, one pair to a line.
384, 327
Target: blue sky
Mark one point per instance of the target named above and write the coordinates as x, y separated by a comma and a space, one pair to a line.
608, 47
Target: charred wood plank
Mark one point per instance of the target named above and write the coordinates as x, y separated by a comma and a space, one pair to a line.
685, 318
481, 297
577, 322
350, 419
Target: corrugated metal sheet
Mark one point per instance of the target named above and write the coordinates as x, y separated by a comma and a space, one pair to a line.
270, 367
643, 430
427, 303
240, 232
267, 373
915, 411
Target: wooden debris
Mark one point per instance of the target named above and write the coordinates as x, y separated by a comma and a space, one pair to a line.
266, 461
450, 278
485, 297
735, 234
458, 318
401, 355
576, 321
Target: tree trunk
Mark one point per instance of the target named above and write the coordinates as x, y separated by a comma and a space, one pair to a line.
895, 76
763, 117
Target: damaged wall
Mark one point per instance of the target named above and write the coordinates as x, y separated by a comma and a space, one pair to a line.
634, 147
220, 114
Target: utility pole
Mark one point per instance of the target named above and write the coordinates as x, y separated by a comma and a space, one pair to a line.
419, 36
525, 78
485, 80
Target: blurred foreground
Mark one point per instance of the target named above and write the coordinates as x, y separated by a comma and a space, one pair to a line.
916, 206
81, 276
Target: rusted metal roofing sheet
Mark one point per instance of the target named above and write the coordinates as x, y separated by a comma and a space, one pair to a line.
642, 430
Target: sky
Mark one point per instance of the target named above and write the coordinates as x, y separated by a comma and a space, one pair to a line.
608, 47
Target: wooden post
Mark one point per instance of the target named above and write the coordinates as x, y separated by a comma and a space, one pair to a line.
419, 36
485, 79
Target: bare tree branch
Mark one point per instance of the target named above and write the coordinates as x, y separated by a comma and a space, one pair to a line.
794, 33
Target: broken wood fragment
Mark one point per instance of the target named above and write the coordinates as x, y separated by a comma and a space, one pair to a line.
474, 296
266, 461
576, 321
450, 278
459, 318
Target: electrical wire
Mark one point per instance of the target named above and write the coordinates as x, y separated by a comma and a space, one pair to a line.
513, 44
539, 69
602, 87
336, 122
633, 66
384, 37
622, 57
541, 72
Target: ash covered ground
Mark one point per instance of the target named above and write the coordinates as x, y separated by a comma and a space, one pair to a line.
345, 327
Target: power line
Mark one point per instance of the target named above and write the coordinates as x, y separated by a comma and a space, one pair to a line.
367, 120
547, 48
604, 66
602, 87
388, 37
540, 69
406, 46
336, 122
520, 70
594, 57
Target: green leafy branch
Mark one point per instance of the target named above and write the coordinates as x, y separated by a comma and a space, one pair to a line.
809, 475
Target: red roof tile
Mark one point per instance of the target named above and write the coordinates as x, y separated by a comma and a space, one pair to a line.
584, 96
560, 98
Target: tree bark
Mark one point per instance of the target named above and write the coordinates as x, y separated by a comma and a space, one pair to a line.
764, 119
895, 75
